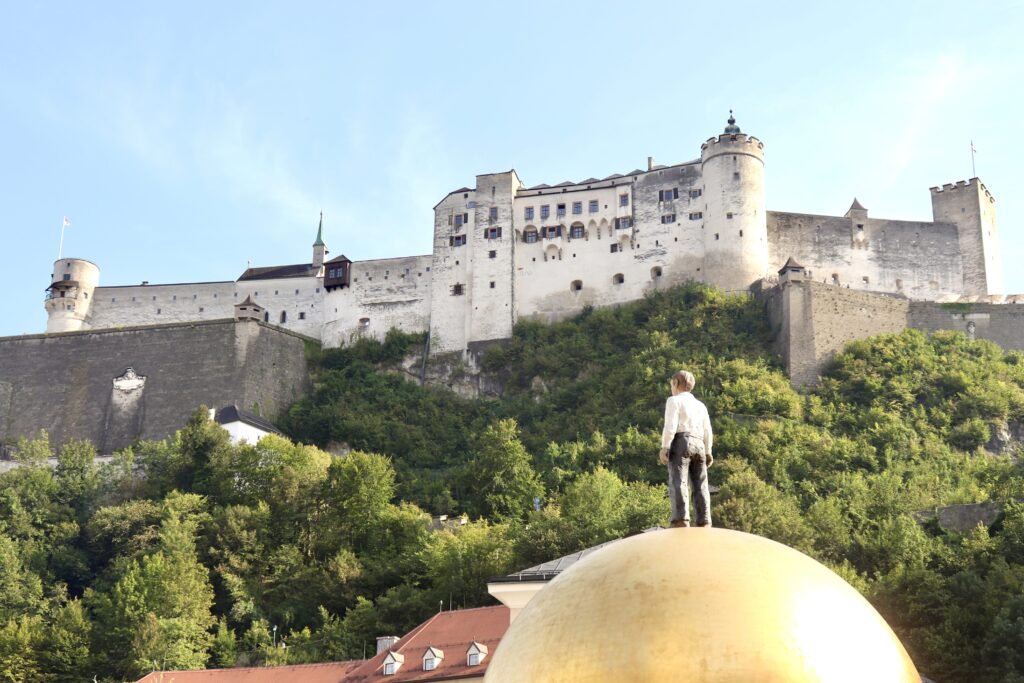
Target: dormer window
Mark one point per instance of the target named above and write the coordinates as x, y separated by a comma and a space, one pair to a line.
393, 662
432, 658
476, 654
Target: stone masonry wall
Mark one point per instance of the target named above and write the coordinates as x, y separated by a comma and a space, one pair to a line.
65, 383
812, 321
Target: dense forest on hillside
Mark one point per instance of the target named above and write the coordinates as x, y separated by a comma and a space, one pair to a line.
190, 552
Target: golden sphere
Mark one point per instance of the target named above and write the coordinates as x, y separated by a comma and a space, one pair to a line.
708, 605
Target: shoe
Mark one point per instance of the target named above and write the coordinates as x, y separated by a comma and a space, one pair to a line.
680, 524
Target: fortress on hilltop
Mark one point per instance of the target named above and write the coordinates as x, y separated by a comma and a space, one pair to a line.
119, 363
504, 251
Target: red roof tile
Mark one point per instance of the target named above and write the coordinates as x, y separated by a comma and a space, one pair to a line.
328, 672
452, 632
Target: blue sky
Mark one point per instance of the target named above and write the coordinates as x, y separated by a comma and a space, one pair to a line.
184, 140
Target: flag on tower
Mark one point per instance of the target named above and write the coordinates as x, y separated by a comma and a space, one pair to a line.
66, 222
974, 150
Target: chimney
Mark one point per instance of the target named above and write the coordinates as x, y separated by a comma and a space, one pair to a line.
650, 163
384, 643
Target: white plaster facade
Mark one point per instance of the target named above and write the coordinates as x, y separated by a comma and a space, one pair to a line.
503, 251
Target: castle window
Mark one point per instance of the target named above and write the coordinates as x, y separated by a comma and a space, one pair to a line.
696, 215
266, 317
275, 294
530, 235
716, 235
493, 213
577, 208
551, 231
623, 200
545, 211
158, 311
492, 254
835, 278
655, 272
668, 218
458, 290
201, 309
576, 286
67, 276
85, 295
457, 240
492, 233
175, 297
865, 279
284, 317
593, 206
458, 220
729, 215
528, 213
736, 175
194, 296
560, 210
576, 231
860, 227
112, 299
618, 279
364, 323
899, 283
492, 284
613, 248
668, 195
302, 315
623, 222
741, 233
695, 193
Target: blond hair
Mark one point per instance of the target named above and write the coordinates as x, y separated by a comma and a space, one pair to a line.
684, 380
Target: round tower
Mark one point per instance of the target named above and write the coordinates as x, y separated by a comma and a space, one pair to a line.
735, 218
69, 296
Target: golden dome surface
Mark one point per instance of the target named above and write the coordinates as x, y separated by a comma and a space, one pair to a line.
708, 605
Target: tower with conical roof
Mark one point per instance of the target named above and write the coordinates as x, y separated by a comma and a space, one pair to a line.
735, 218
319, 248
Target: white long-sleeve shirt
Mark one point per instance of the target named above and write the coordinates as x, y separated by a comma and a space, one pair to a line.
684, 413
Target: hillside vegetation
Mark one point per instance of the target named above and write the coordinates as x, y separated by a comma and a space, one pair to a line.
188, 552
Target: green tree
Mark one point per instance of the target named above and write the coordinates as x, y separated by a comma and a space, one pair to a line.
501, 475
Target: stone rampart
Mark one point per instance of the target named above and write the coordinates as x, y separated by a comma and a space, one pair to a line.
812, 321
115, 386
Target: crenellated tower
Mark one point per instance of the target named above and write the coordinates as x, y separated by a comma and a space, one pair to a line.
735, 217
70, 294
972, 208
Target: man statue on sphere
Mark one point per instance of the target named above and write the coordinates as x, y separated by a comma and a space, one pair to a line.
686, 448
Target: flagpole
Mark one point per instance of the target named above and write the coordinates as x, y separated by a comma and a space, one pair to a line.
974, 173
60, 249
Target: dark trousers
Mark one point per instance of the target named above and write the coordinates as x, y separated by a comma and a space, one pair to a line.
686, 468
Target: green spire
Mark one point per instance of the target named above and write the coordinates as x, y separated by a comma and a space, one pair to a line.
320, 233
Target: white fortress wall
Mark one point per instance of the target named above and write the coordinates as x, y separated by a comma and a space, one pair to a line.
383, 294
556, 276
489, 294
920, 260
295, 303
133, 305
449, 319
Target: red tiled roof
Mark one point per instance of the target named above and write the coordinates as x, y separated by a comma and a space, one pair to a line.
328, 672
451, 632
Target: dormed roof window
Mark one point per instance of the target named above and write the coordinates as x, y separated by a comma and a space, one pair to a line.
432, 658
393, 662
476, 654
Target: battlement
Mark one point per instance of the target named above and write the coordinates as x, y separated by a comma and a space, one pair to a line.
962, 184
734, 137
